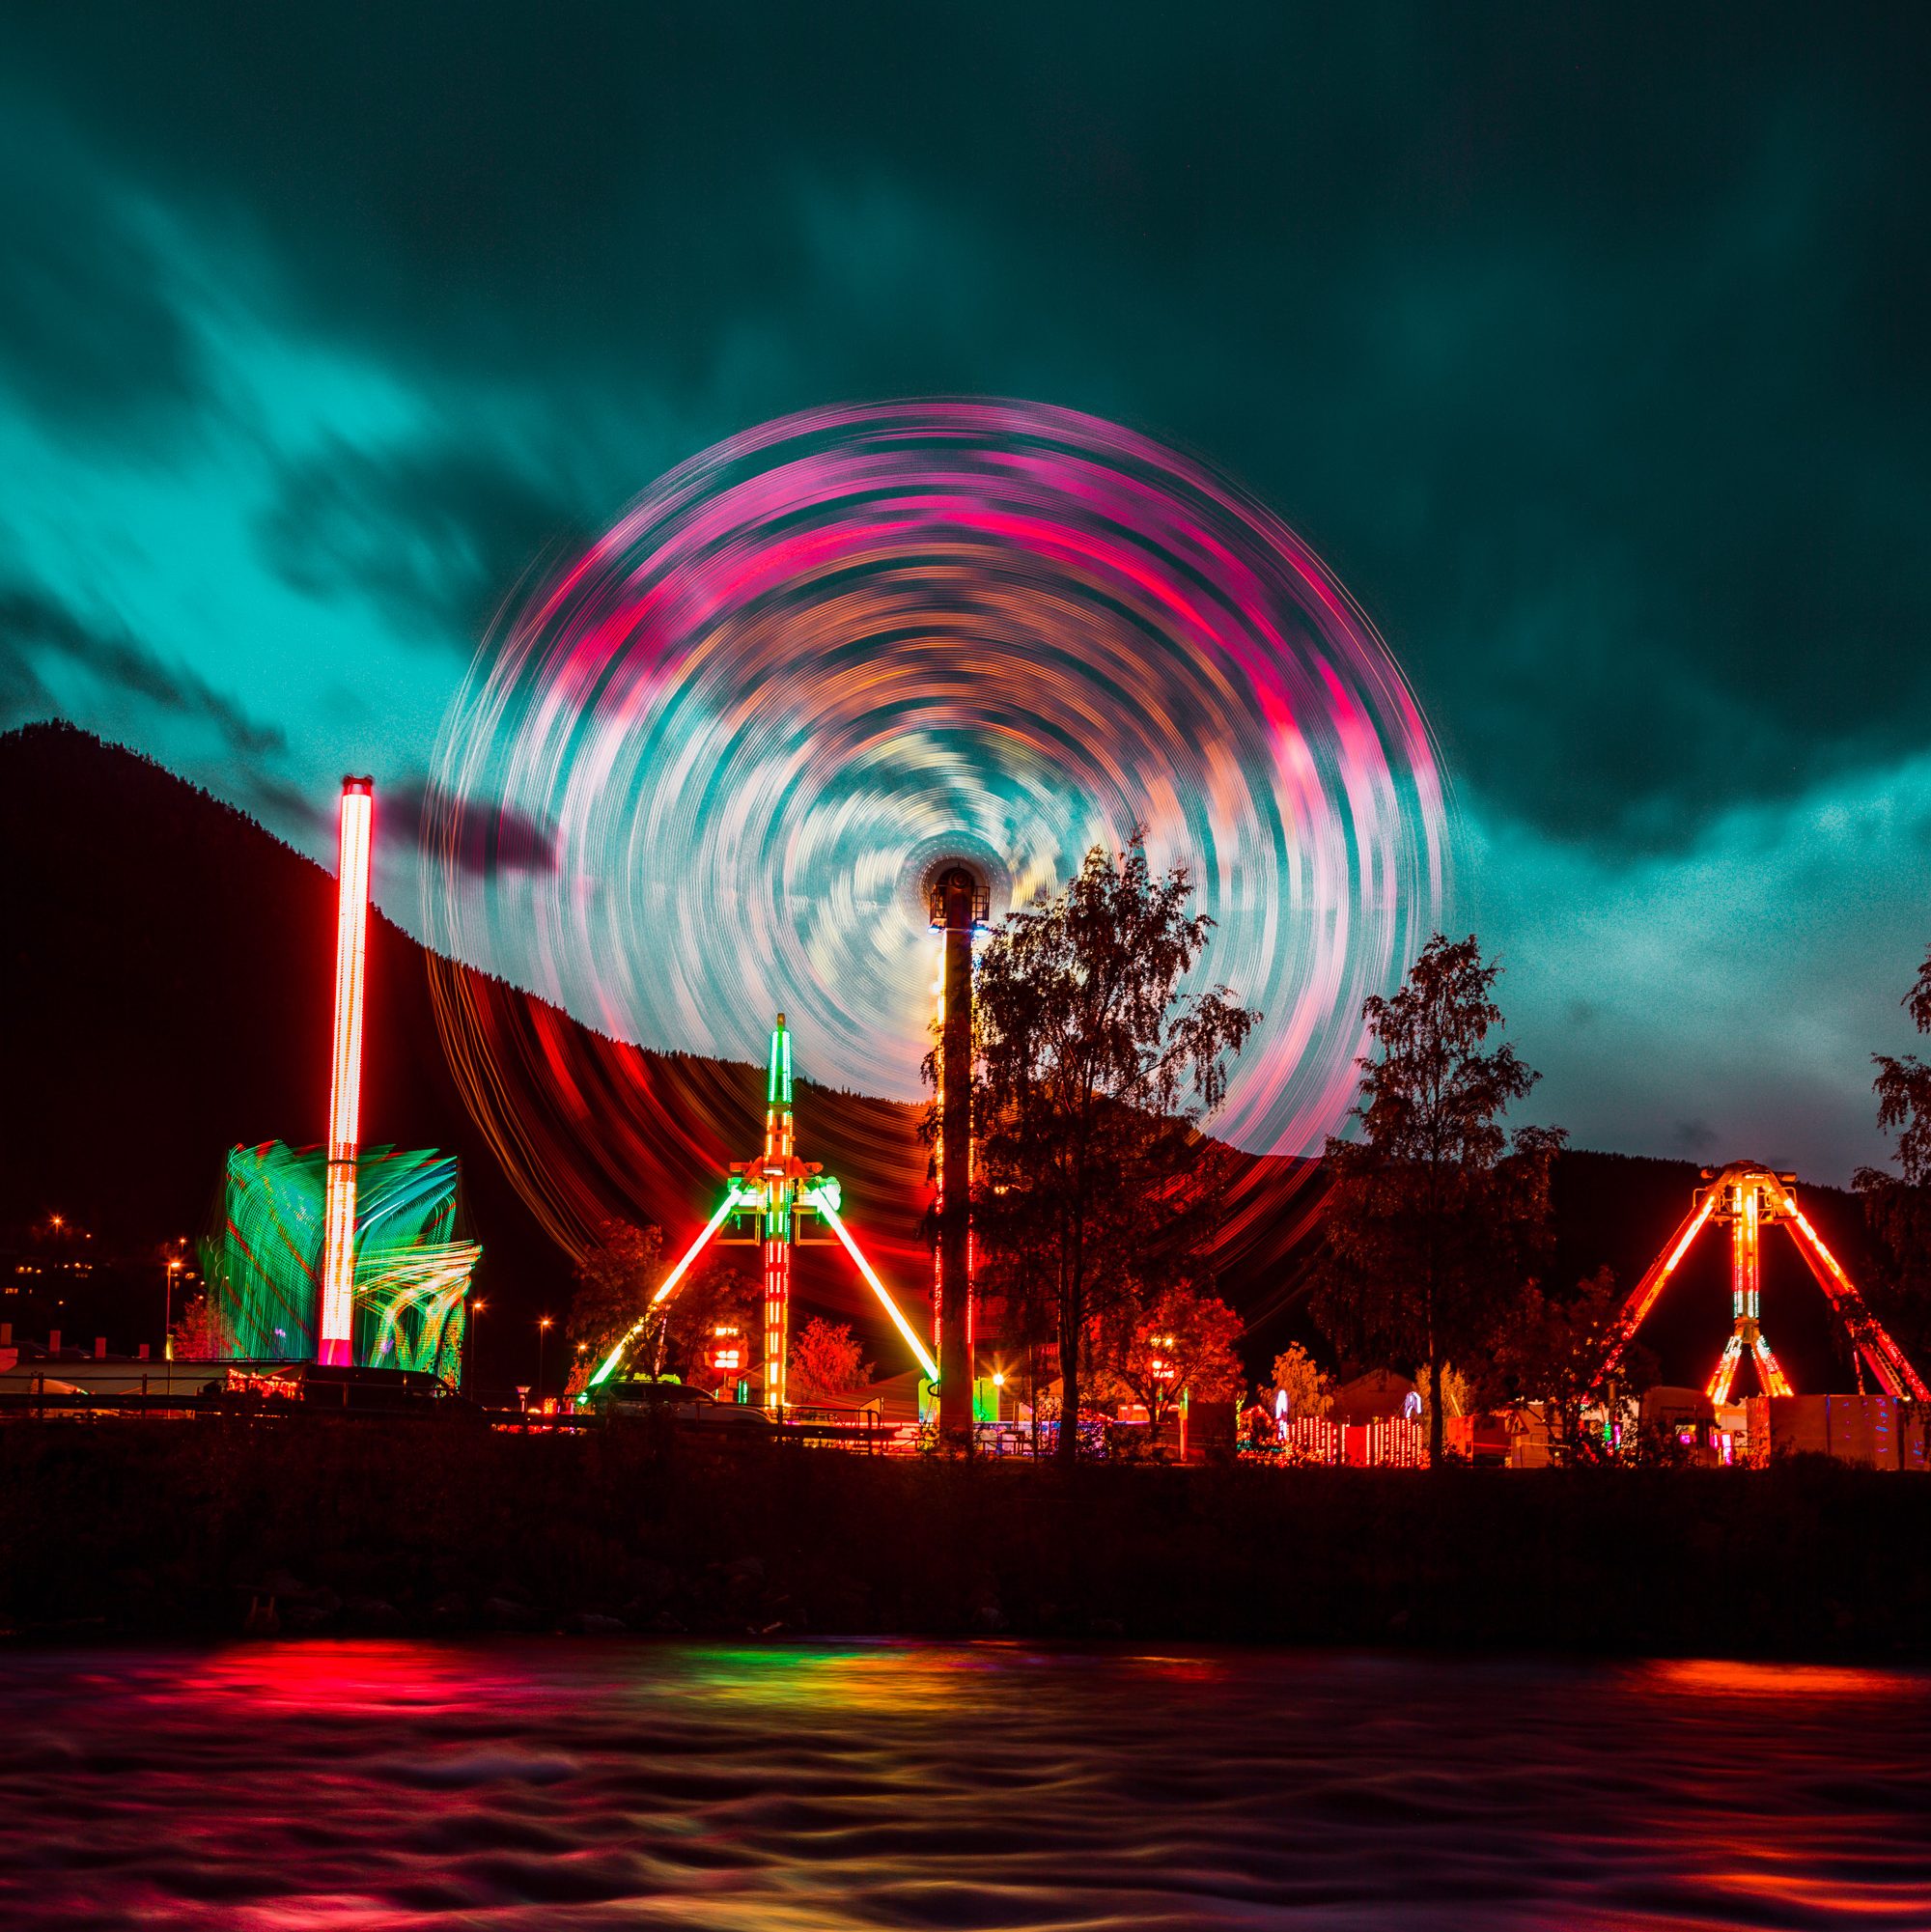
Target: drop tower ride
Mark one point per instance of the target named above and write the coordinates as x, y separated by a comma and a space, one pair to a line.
958, 906
335, 1341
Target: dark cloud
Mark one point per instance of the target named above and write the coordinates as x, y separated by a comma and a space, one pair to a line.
23, 695
487, 840
289, 809
434, 537
34, 629
89, 340
1586, 344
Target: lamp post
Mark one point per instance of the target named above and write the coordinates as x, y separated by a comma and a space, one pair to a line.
473, 1338
1166, 1373
543, 1334
174, 1267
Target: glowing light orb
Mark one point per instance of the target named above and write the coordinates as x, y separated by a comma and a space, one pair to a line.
726, 746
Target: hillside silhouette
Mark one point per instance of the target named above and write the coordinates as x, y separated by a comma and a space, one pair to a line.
167, 976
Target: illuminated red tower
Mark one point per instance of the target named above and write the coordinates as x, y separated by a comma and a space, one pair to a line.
959, 907
777, 1176
335, 1341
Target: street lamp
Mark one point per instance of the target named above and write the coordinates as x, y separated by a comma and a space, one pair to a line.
174, 1267
542, 1334
1165, 1373
473, 1340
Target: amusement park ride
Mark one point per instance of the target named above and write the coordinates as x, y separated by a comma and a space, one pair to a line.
1749, 1198
777, 1200
958, 904
335, 1344
347, 1251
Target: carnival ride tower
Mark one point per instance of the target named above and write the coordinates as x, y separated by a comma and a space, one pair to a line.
1749, 1207
1749, 1198
776, 1199
960, 905
336, 1331
775, 1179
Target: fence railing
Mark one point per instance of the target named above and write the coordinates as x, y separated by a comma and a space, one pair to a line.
1385, 1442
1389, 1443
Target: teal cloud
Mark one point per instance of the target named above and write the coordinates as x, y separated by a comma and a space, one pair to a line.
1586, 345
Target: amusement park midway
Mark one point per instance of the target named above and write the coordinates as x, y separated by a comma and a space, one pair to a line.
1170, 1203
965, 967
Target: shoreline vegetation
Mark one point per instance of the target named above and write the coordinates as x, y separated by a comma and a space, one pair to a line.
157, 1529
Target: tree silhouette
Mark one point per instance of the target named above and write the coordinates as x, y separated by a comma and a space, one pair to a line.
827, 1362
1552, 1352
1308, 1388
1092, 1181
614, 1283
203, 1333
1436, 1211
679, 1337
1178, 1342
1897, 1207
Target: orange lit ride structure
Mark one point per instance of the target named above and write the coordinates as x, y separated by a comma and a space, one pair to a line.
1749, 1198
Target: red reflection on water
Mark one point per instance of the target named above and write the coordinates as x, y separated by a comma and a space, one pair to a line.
1180, 1670
347, 1677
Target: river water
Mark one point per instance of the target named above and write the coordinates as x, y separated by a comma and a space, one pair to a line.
591, 1783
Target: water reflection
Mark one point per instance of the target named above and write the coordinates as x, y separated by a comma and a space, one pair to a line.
390, 1785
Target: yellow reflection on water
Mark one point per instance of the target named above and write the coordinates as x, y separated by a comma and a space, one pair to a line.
876, 1680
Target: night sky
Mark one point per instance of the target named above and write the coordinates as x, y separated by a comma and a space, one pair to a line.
1588, 346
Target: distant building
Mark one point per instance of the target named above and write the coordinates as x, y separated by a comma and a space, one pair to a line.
1374, 1398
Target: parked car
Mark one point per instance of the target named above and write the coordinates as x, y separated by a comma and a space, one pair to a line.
639, 1396
337, 1386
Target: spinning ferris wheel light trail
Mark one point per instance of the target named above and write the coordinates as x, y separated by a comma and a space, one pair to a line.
780, 1195
709, 770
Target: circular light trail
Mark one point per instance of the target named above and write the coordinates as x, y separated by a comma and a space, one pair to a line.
702, 775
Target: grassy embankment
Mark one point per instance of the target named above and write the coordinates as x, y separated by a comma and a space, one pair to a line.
190, 1528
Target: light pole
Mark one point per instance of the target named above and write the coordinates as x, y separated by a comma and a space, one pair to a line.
473, 1340
174, 1267
1166, 1373
543, 1334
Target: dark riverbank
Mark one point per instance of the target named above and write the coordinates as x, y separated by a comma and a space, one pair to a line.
188, 1529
